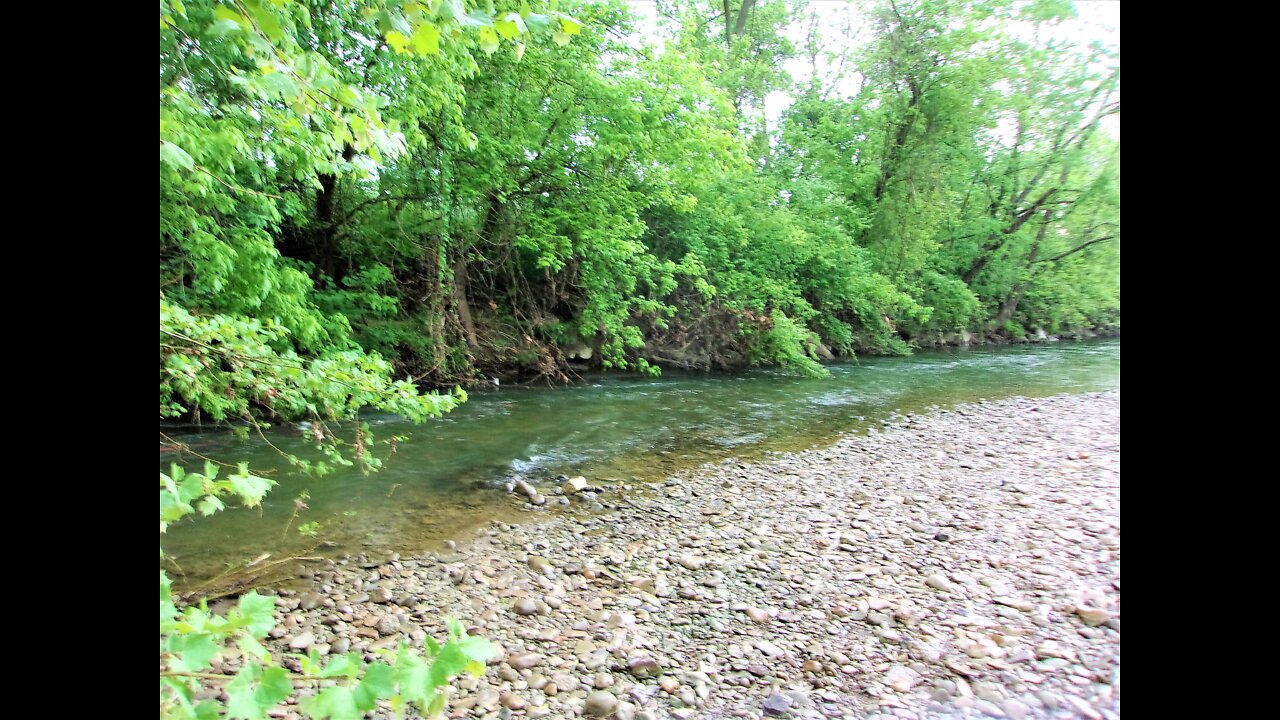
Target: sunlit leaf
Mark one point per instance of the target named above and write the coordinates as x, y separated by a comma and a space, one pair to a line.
398, 42
488, 40
426, 39
176, 156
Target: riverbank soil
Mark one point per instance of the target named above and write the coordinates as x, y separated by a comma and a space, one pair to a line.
964, 563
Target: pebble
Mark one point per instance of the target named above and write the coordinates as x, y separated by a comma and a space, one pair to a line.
940, 582
777, 704
525, 661
600, 704
741, 583
302, 641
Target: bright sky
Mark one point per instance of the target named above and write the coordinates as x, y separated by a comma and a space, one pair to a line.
1098, 19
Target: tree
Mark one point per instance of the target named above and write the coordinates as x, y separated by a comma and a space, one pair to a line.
263, 104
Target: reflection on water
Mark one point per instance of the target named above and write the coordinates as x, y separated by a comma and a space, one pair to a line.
445, 479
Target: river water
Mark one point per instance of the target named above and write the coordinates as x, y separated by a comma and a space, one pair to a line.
446, 479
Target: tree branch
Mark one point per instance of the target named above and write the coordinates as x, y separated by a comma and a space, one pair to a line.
1078, 248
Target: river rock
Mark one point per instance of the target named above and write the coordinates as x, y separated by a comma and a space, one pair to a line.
776, 704
524, 661
600, 704
940, 582
643, 666
808, 546
769, 648
1093, 616
302, 641
1015, 603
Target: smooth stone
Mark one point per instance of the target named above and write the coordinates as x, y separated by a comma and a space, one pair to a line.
600, 704
769, 648
1014, 709
303, 641
525, 661
1015, 603
643, 666
1093, 616
777, 704
939, 582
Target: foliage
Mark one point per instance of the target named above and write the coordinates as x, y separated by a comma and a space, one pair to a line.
363, 202
263, 105
191, 638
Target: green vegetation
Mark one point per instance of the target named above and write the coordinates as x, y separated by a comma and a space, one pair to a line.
362, 199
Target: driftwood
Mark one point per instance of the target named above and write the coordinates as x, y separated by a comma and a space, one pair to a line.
241, 579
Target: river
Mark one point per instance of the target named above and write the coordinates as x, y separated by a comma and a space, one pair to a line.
445, 480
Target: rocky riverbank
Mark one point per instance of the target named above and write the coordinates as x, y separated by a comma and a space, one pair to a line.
960, 564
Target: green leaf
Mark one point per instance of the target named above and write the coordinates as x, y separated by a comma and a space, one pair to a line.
241, 701
278, 83
436, 706
488, 40
254, 649
209, 505
255, 612
398, 41
343, 665
426, 39
449, 664
378, 682
223, 27
250, 488
175, 156
560, 38
452, 10
196, 650
507, 29
571, 26
222, 12
266, 19
477, 648
335, 703
537, 22
413, 676
476, 18
511, 27
275, 687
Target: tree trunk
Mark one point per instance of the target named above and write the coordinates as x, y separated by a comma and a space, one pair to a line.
740, 27
325, 240
1010, 304
460, 300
